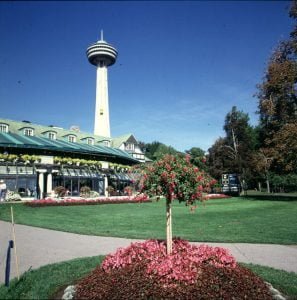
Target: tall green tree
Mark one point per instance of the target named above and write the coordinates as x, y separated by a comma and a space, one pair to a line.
217, 161
233, 153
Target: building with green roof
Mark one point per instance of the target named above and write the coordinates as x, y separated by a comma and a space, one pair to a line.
34, 159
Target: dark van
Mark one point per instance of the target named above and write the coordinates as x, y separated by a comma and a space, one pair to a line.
231, 184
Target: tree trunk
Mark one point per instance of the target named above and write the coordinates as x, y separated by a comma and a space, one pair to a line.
259, 186
268, 186
168, 227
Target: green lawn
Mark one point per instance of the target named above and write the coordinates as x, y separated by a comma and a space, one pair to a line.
44, 282
224, 220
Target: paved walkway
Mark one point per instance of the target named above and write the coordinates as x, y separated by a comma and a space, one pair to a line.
37, 247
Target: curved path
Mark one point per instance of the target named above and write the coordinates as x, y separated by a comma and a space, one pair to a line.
37, 247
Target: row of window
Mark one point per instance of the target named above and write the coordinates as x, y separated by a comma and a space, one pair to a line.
129, 146
138, 156
52, 135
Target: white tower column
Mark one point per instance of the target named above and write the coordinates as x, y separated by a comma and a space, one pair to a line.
102, 126
102, 55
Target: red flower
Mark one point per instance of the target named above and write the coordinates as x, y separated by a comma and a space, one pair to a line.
182, 265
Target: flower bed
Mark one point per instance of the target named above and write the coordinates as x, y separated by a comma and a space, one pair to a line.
70, 201
145, 271
182, 265
216, 196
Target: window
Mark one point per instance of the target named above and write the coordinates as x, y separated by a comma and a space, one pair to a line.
3, 127
52, 135
71, 138
138, 156
28, 131
106, 143
129, 147
90, 141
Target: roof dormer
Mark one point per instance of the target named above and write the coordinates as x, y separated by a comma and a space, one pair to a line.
70, 138
4, 127
50, 134
28, 131
89, 140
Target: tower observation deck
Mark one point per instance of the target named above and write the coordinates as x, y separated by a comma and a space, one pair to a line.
102, 55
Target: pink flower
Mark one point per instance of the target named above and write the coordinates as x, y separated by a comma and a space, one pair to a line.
182, 265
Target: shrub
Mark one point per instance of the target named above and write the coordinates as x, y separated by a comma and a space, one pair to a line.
12, 196
128, 190
94, 194
60, 191
110, 189
85, 191
144, 271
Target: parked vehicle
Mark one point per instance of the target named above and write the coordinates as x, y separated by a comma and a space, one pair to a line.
231, 184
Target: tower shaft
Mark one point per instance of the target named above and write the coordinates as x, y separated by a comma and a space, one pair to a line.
102, 126
102, 55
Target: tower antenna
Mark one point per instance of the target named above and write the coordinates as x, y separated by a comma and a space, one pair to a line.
101, 34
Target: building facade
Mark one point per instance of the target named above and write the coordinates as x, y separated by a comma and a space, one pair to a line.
34, 159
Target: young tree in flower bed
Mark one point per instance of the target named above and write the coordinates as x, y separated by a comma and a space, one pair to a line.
70, 202
145, 271
175, 178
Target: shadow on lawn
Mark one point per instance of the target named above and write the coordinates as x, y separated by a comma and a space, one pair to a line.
271, 197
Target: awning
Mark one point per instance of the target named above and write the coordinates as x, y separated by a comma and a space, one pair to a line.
16, 141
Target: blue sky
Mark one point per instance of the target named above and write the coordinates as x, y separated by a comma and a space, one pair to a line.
182, 65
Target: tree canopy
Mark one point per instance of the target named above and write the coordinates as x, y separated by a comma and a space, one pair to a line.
277, 96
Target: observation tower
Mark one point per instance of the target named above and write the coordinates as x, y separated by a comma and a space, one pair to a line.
102, 55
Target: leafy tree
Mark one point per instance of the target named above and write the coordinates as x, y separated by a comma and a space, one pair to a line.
233, 153
261, 162
284, 183
197, 157
217, 158
163, 150
157, 150
240, 142
277, 96
143, 146
175, 178
283, 148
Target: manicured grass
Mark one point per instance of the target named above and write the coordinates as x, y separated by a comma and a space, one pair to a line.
44, 282
221, 220
285, 282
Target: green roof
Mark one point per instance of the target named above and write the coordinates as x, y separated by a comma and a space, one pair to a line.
41, 130
118, 141
40, 143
